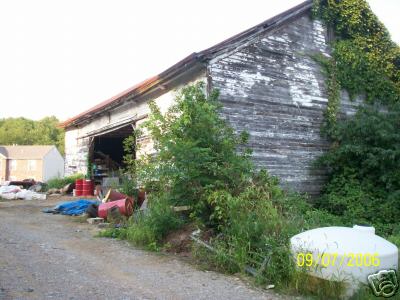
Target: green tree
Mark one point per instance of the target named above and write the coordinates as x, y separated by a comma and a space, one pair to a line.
22, 131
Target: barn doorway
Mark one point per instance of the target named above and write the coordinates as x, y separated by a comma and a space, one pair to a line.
106, 155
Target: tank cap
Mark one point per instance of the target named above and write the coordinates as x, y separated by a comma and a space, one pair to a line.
365, 228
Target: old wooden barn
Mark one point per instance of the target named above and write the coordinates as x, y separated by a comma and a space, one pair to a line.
269, 86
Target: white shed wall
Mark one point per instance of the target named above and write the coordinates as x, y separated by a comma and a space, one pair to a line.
53, 165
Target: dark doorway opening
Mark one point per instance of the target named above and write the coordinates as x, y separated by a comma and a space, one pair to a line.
107, 153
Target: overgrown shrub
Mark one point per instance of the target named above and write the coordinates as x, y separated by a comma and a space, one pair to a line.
364, 166
58, 183
251, 229
197, 151
257, 224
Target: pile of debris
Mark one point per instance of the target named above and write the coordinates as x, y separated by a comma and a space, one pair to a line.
67, 189
14, 191
114, 207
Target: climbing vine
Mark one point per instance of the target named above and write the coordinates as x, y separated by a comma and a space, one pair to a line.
365, 61
364, 162
333, 90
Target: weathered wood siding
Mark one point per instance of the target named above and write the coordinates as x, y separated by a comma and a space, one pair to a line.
274, 90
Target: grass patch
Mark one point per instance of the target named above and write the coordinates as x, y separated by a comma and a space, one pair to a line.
58, 183
148, 229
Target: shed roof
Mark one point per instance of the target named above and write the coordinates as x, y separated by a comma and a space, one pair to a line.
25, 152
194, 59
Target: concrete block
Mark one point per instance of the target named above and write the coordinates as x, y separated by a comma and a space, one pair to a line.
94, 221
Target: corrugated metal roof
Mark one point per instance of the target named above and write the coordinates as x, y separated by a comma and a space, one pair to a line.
25, 152
191, 61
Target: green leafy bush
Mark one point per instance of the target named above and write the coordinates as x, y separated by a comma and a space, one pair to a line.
256, 224
58, 183
364, 166
196, 151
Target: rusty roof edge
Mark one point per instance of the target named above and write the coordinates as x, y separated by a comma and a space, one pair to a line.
186, 63
211, 52
136, 90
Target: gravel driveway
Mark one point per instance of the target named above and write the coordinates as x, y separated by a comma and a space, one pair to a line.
45, 256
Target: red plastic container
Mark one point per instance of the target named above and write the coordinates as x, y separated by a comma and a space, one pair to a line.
125, 207
87, 189
79, 187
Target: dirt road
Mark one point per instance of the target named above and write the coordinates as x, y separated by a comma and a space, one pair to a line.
45, 256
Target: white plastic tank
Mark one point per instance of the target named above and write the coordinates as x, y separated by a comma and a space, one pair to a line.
343, 253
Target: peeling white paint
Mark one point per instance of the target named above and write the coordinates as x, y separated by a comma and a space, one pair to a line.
77, 148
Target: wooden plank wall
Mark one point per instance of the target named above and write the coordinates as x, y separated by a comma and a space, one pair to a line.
274, 90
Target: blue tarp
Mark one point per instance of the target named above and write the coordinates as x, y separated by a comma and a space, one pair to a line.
72, 208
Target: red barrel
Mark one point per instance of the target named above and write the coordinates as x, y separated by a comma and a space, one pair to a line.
87, 188
114, 195
78, 187
125, 207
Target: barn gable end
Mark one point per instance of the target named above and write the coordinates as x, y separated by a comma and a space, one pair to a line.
273, 89
269, 84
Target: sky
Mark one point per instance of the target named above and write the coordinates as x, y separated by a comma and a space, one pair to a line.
62, 57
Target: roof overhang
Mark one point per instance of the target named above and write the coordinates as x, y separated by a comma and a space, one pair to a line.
113, 126
160, 84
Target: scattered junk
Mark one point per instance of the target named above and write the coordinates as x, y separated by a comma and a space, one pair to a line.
344, 254
67, 189
37, 187
5, 189
71, 208
98, 191
93, 210
15, 192
113, 207
125, 207
95, 221
103, 164
113, 195
26, 183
